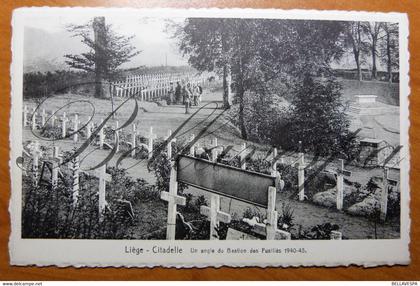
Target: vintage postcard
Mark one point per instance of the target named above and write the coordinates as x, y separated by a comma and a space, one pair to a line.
209, 137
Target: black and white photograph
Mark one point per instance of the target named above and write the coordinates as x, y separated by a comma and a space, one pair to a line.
174, 126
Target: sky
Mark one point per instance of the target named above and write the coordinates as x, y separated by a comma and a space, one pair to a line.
47, 40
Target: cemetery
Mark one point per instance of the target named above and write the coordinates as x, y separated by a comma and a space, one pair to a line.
271, 182
219, 152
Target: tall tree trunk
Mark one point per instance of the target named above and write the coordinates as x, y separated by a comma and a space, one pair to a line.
226, 87
388, 55
374, 70
359, 68
240, 92
100, 64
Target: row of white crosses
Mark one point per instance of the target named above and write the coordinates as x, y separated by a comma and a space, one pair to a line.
151, 86
56, 160
133, 144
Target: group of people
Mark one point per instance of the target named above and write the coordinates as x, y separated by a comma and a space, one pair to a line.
184, 93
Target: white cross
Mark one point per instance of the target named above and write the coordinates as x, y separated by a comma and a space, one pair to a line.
169, 146
75, 168
43, 117
341, 172
117, 135
384, 194
270, 229
301, 173
101, 136
214, 215
133, 140
25, 116
103, 178
150, 138
173, 200
76, 127
34, 115
36, 153
64, 120
242, 156
53, 118
54, 171
192, 147
89, 130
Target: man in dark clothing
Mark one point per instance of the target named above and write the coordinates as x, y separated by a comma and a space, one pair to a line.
178, 92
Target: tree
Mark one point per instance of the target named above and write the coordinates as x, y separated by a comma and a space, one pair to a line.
318, 118
258, 52
372, 30
389, 48
207, 44
356, 42
107, 51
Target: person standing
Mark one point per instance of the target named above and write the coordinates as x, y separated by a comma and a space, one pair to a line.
171, 92
187, 98
178, 90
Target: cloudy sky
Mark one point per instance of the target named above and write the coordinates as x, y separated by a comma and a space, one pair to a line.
47, 40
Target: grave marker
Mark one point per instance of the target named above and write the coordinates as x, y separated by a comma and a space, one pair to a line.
36, 153
54, 172
336, 235
133, 140
215, 216
384, 194
64, 120
169, 144
43, 117
341, 172
103, 178
75, 169
242, 156
192, 147
25, 116
117, 136
173, 200
76, 128
34, 114
101, 135
301, 173
150, 138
